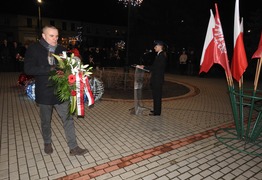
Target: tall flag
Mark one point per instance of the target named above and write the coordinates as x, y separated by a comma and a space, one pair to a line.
214, 50
239, 61
220, 50
207, 58
258, 53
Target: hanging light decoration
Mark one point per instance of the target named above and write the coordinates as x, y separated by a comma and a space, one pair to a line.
131, 2
120, 45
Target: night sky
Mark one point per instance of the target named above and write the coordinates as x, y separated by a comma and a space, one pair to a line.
113, 12
97, 11
154, 19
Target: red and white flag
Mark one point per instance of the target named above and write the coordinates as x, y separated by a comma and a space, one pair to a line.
207, 58
214, 50
239, 61
220, 50
258, 53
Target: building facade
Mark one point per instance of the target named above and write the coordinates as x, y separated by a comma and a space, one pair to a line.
27, 29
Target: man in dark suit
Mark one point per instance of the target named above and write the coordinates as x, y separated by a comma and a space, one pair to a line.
157, 70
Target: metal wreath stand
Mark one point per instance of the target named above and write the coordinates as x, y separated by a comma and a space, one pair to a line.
247, 113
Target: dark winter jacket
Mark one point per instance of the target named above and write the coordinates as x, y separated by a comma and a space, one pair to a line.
36, 64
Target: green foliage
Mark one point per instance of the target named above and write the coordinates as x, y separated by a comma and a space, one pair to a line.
67, 67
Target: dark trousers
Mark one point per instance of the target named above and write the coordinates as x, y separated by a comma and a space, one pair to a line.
183, 69
157, 99
68, 123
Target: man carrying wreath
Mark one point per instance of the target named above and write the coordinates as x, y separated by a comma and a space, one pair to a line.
39, 61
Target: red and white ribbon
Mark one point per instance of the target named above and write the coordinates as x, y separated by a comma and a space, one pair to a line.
80, 94
88, 92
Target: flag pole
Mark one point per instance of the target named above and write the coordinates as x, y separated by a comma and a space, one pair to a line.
241, 112
239, 64
229, 80
233, 104
258, 69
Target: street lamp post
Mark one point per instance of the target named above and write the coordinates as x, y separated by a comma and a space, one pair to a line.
39, 2
128, 4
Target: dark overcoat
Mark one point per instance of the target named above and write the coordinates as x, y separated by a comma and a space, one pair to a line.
157, 70
36, 64
157, 79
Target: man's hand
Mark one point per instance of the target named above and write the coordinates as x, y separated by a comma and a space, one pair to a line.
53, 67
140, 66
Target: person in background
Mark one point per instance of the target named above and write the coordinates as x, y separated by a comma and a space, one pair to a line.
183, 63
157, 70
85, 55
90, 54
97, 58
21, 55
38, 62
191, 63
5, 57
73, 48
15, 47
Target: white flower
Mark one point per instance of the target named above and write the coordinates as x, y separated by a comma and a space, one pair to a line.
64, 55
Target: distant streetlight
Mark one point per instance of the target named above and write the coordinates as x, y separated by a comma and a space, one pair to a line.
39, 2
129, 3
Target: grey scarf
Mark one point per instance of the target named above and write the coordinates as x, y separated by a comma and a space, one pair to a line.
50, 49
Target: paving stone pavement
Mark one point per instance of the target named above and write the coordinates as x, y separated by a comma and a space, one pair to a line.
180, 144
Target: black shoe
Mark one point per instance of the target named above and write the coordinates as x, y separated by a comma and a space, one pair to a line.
77, 151
48, 148
153, 114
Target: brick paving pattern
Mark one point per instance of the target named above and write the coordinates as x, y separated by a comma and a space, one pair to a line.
179, 145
